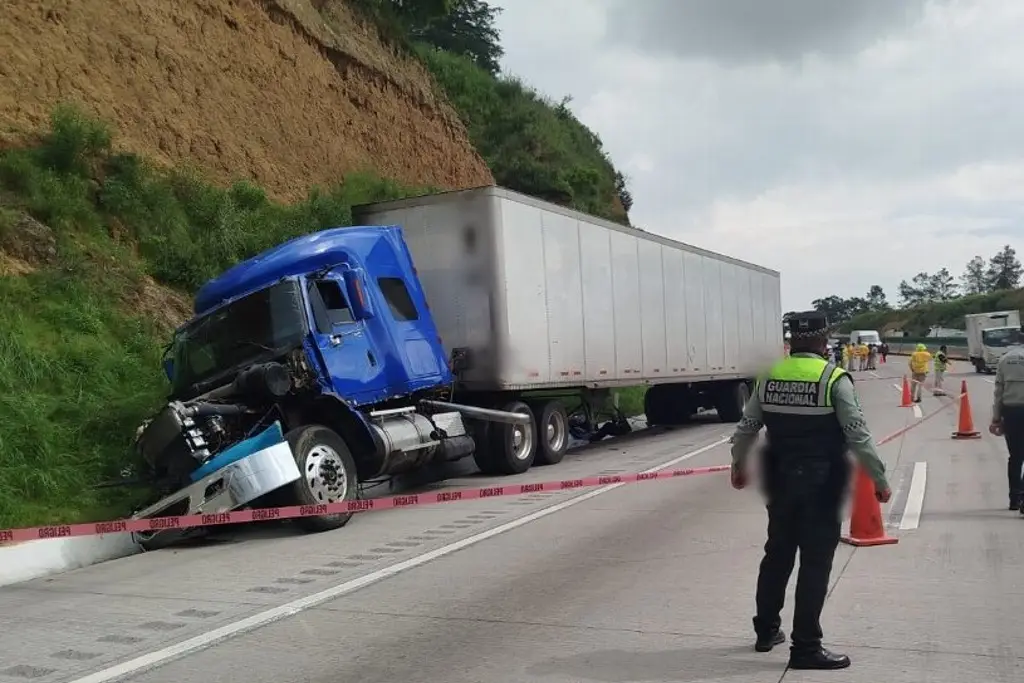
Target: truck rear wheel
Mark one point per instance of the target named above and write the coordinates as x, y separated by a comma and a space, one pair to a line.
551, 433
730, 401
508, 449
667, 405
328, 475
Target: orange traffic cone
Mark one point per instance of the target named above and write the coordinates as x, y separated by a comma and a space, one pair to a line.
965, 426
866, 528
907, 401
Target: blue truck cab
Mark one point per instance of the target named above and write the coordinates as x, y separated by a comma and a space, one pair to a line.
306, 369
365, 314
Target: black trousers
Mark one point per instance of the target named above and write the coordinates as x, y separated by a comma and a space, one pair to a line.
1013, 426
807, 521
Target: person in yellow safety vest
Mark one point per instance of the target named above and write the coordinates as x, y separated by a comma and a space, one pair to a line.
862, 351
919, 361
846, 356
941, 365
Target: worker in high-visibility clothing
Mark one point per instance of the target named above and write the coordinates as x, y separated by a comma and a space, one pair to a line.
846, 356
919, 361
941, 366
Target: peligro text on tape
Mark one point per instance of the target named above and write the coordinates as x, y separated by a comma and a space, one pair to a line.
350, 506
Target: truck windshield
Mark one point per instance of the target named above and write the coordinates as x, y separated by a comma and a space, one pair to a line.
260, 324
1007, 336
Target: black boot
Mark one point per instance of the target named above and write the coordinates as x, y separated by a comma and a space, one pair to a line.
765, 643
819, 659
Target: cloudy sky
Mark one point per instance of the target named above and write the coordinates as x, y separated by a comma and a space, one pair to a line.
842, 142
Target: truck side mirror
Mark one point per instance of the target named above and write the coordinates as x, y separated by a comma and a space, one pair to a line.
358, 298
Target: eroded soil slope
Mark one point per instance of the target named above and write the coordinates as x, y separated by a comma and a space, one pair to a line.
287, 93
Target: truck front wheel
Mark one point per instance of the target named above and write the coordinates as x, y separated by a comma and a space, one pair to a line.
328, 475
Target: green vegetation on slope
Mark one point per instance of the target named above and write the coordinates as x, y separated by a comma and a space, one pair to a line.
917, 320
531, 144
79, 351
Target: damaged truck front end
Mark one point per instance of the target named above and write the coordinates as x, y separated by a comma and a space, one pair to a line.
239, 373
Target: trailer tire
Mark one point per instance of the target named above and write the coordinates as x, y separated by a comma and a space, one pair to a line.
509, 449
551, 432
327, 467
730, 401
656, 404
667, 405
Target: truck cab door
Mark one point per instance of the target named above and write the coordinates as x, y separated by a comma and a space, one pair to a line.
355, 369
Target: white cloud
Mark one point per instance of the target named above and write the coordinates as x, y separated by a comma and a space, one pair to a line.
844, 150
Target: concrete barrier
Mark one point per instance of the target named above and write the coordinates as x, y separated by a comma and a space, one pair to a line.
954, 352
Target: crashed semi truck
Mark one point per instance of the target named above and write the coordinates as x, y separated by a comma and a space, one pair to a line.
480, 323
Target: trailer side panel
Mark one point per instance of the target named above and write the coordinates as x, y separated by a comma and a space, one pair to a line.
563, 299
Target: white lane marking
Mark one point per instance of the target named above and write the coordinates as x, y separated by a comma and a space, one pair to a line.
897, 387
917, 411
875, 375
205, 640
915, 497
990, 381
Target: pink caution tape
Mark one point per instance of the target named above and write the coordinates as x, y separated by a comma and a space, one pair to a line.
372, 504
363, 505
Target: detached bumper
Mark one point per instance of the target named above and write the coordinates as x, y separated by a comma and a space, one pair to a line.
254, 468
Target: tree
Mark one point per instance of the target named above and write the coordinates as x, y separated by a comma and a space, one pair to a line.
974, 279
838, 309
468, 29
413, 12
942, 286
876, 299
918, 291
1004, 270
625, 196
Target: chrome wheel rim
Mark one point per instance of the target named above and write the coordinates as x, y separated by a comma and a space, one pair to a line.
325, 475
557, 432
522, 441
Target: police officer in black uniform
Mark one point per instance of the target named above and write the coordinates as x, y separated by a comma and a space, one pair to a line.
810, 410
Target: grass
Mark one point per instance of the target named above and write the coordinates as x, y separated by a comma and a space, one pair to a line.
79, 363
631, 400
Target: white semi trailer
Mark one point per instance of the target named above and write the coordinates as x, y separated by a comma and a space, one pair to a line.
545, 310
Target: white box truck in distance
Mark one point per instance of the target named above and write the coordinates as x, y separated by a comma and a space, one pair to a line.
544, 310
989, 335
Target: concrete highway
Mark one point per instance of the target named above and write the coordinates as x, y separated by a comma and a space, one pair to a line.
645, 582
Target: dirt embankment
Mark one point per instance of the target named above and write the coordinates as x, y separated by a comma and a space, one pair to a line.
286, 93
